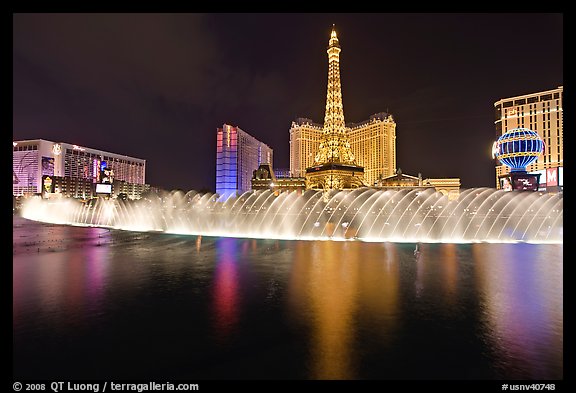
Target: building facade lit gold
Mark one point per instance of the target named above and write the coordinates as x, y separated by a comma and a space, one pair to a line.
305, 137
541, 112
447, 186
372, 142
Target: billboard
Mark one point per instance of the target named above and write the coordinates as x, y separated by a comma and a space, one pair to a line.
47, 166
520, 182
47, 185
103, 188
505, 183
106, 175
525, 182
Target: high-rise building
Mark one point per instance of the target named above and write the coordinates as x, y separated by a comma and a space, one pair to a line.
540, 112
373, 143
33, 159
238, 155
305, 137
334, 164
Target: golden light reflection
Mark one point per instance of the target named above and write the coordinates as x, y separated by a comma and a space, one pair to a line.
330, 283
379, 286
450, 271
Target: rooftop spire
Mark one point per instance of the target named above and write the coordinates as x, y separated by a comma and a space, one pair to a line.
333, 38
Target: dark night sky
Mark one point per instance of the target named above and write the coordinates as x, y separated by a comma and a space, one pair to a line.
156, 86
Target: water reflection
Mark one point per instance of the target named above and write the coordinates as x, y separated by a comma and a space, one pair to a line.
226, 284
449, 272
97, 265
324, 287
334, 286
521, 290
378, 295
54, 286
244, 308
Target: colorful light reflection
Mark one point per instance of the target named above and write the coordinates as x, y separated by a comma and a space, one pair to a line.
523, 326
226, 287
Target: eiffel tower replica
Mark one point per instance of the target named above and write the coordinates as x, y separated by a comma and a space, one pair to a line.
334, 165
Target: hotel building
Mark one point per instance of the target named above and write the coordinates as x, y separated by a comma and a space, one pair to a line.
238, 155
373, 143
541, 112
305, 137
70, 165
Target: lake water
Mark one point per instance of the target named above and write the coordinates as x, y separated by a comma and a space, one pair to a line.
92, 303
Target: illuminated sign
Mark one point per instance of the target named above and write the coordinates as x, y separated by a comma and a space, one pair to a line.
505, 184
106, 174
48, 184
76, 147
103, 188
494, 149
552, 177
542, 173
95, 171
57, 149
48, 166
526, 182
511, 112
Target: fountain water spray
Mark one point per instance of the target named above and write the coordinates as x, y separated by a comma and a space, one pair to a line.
366, 214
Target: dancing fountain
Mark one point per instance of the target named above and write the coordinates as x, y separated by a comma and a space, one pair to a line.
365, 214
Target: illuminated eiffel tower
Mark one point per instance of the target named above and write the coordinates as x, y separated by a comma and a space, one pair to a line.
335, 167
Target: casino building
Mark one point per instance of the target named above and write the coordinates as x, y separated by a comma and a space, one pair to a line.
73, 171
238, 155
372, 141
541, 112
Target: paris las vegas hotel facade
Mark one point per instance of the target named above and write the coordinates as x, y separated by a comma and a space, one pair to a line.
369, 145
373, 143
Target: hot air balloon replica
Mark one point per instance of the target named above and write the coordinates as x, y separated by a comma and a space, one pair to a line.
517, 148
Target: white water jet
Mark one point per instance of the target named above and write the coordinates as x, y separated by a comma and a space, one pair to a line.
367, 214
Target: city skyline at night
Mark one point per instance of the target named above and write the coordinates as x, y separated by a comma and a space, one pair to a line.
287, 197
156, 86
